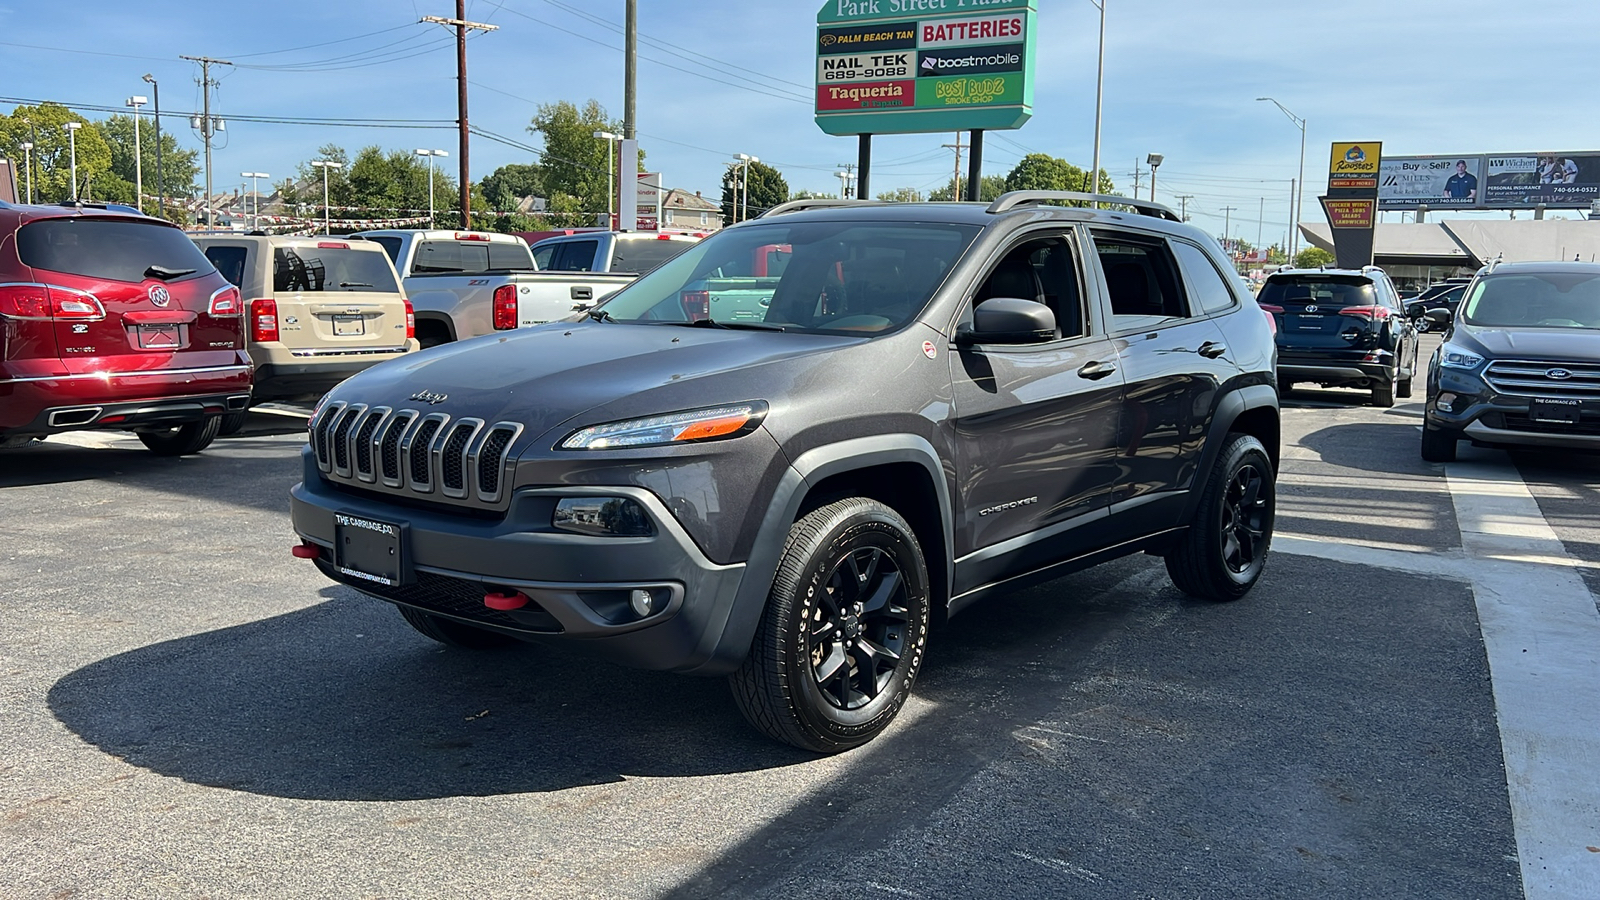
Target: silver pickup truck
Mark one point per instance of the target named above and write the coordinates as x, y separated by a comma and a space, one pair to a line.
595, 265
469, 283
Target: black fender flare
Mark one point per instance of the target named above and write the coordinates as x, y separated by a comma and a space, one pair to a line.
1233, 404
805, 472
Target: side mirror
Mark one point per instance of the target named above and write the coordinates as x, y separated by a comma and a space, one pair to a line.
1439, 316
1008, 320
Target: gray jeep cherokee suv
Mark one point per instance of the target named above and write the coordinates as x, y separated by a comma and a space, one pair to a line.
932, 403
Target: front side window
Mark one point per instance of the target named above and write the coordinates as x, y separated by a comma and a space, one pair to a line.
1141, 279
126, 250
836, 277
575, 256
317, 269
637, 257
1042, 270
1535, 300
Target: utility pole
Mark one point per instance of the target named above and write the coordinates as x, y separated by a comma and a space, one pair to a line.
462, 26
630, 76
1227, 225
1136, 175
208, 125
1261, 221
955, 185
1184, 212
845, 177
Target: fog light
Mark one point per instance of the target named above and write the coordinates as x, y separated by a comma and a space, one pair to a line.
1447, 402
641, 601
603, 516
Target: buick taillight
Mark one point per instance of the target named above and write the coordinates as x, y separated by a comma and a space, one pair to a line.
505, 307
227, 302
1370, 313
25, 301
411, 320
696, 304
67, 304
263, 320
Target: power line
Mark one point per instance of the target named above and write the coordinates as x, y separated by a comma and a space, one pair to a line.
323, 44
241, 117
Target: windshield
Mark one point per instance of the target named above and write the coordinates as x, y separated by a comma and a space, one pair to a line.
850, 277
1536, 300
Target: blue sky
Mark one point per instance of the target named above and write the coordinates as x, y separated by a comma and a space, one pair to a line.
1424, 76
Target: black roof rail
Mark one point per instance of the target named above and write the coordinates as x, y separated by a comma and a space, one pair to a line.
1014, 199
799, 205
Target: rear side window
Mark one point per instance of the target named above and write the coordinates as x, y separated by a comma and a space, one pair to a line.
1208, 290
543, 255
110, 249
391, 246
640, 256
316, 269
1141, 277
575, 256
230, 262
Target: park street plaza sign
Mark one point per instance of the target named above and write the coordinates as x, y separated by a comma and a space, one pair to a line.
918, 66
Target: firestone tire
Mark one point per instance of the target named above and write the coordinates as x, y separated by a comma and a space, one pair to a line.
1224, 552
184, 439
844, 631
455, 634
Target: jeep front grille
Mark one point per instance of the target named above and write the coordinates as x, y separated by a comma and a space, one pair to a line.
1534, 379
413, 453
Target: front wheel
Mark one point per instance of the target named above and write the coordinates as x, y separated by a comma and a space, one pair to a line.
1222, 554
1439, 444
842, 638
183, 439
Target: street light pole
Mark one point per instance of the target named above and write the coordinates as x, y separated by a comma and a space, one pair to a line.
27, 154
1154, 160
744, 210
72, 144
430, 154
1099, 101
161, 181
1298, 206
611, 176
138, 154
255, 193
327, 217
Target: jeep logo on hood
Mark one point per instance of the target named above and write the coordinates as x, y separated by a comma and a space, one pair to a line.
430, 398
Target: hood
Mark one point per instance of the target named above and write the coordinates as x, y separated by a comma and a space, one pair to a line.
1564, 344
544, 376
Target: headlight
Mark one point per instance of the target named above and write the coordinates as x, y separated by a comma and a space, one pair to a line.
675, 428
1453, 357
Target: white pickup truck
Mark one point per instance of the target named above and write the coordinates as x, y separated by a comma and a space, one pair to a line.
468, 283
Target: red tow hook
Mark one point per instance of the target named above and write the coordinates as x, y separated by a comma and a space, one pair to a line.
306, 551
506, 602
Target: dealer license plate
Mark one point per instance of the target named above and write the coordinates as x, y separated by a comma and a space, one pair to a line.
369, 549
1554, 412
349, 325
160, 337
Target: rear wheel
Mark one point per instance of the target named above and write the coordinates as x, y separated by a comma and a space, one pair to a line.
233, 423
1439, 444
182, 440
1224, 551
842, 638
1383, 395
454, 634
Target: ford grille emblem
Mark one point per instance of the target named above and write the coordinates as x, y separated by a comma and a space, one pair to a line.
430, 398
159, 296
1558, 374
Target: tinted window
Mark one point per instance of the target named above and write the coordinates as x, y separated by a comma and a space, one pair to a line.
1208, 289
640, 256
314, 269
1338, 291
1044, 271
844, 277
230, 262
462, 257
112, 249
391, 246
575, 256
507, 256
542, 254
1542, 300
1141, 278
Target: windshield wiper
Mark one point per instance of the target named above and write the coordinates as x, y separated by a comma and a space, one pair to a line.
351, 284
736, 325
600, 315
166, 274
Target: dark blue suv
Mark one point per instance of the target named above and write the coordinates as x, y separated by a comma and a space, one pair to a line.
1342, 328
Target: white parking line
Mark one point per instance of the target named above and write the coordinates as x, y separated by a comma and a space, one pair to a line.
1541, 632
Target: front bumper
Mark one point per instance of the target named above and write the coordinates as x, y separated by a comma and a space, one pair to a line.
572, 580
1486, 416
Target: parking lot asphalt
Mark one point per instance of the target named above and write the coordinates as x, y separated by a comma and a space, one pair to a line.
185, 711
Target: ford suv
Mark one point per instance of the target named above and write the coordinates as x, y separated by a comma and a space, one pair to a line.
940, 403
318, 310
113, 320
1520, 365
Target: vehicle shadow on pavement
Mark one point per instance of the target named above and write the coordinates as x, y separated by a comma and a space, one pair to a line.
343, 701
271, 470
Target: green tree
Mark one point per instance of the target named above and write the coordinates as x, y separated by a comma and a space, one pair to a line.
989, 190
902, 195
767, 189
575, 163
1312, 257
812, 195
307, 189
507, 185
180, 169
45, 126
1043, 172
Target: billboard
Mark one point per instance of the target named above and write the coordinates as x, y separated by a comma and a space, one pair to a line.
1491, 181
916, 66
649, 202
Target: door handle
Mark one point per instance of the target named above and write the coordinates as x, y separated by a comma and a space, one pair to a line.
1096, 370
1212, 349
583, 293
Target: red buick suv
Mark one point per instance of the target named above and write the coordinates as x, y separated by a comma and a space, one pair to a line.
113, 320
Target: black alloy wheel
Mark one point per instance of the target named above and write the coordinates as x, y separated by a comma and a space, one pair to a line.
843, 634
1224, 551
